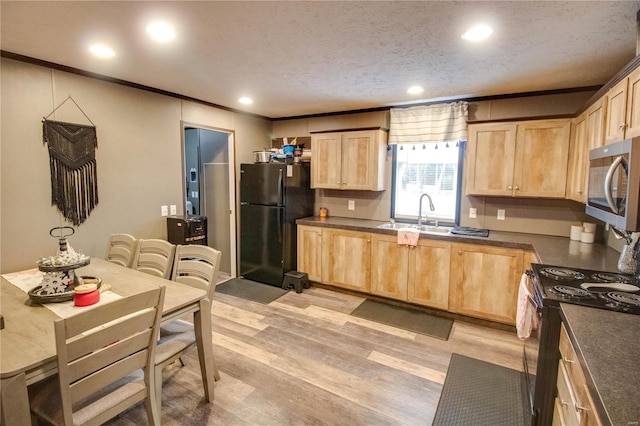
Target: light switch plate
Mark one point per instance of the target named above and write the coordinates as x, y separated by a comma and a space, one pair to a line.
173, 210
501, 214
164, 210
352, 205
472, 212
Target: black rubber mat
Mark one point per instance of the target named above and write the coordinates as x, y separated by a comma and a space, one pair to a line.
250, 290
405, 318
478, 393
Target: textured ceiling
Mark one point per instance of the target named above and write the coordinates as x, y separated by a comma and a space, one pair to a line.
309, 57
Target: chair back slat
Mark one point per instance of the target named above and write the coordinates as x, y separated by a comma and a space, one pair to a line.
197, 266
154, 257
121, 249
98, 348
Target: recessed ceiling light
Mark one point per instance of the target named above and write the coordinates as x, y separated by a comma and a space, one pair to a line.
161, 31
102, 51
478, 33
246, 101
414, 90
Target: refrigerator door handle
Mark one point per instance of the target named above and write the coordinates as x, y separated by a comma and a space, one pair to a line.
280, 185
280, 225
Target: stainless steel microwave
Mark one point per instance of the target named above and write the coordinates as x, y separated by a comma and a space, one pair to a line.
614, 184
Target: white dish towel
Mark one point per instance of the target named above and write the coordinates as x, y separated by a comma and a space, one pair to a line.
526, 316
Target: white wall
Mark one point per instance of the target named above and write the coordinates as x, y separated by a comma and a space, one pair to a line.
139, 158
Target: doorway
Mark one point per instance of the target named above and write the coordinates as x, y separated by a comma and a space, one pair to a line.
210, 187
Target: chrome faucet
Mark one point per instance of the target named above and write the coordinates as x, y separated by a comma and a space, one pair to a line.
431, 206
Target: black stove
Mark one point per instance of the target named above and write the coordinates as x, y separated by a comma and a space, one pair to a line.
598, 289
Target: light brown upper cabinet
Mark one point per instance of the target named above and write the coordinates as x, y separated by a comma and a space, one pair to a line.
578, 159
622, 119
518, 159
587, 132
349, 160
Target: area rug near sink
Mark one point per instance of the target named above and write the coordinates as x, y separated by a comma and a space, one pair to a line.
405, 318
251, 290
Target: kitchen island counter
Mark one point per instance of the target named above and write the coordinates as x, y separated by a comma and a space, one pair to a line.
550, 250
607, 347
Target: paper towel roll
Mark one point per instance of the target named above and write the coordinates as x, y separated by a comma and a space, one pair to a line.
589, 227
587, 237
576, 233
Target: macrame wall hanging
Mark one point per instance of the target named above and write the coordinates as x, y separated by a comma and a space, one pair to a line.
72, 159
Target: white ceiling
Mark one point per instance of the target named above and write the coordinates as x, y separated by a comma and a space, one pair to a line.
308, 57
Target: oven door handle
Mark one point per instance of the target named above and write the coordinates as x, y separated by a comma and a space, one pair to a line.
607, 183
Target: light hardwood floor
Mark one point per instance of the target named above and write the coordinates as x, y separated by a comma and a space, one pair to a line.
303, 360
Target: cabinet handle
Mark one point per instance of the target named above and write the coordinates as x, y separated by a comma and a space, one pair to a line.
459, 252
579, 191
583, 409
509, 187
567, 360
564, 404
517, 188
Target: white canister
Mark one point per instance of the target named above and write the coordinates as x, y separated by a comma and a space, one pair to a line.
587, 237
576, 233
589, 227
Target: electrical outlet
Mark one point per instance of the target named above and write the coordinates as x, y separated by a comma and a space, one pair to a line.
472, 212
352, 205
173, 210
164, 211
501, 214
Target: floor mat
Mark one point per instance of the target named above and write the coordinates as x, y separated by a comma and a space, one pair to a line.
250, 290
479, 393
405, 318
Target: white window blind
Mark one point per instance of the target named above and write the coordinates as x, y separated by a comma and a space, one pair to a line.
432, 123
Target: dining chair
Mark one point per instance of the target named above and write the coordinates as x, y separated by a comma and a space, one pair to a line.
196, 266
105, 363
154, 257
122, 249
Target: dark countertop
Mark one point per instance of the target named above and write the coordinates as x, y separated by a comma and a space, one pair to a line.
608, 347
560, 251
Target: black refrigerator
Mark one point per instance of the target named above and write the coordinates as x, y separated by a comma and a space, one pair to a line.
272, 197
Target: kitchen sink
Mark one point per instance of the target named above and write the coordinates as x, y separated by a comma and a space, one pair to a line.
432, 229
395, 225
429, 229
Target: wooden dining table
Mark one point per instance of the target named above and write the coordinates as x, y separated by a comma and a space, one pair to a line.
27, 342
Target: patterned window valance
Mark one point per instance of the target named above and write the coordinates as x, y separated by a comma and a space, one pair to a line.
432, 123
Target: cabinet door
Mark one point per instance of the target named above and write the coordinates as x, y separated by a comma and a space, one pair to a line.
346, 259
428, 273
389, 266
490, 159
359, 160
542, 152
595, 124
310, 251
578, 160
326, 161
633, 105
485, 281
616, 112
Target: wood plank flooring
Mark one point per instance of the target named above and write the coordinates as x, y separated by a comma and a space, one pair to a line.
303, 360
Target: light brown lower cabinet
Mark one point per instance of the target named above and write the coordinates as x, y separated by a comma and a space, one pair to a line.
310, 251
417, 274
346, 259
484, 281
469, 279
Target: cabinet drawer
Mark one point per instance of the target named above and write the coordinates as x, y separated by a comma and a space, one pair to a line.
566, 397
569, 360
558, 420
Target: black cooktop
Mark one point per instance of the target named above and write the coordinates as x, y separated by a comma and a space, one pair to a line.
607, 290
